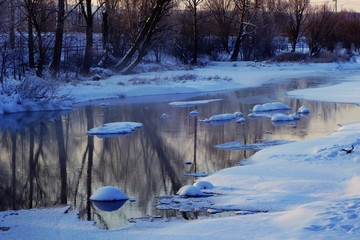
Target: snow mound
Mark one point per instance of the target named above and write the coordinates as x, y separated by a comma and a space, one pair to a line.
115, 128
303, 110
164, 116
270, 107
194, 113
191, 191
203, 185
283, 117
223, 117
108, 193
193, 103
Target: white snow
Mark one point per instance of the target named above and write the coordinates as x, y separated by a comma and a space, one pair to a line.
270, 107
115, 128
108, 193
203, 185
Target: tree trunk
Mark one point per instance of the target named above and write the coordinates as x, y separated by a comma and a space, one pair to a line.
12, 24
89, 38
55, 64
195, 32
30, 39
239, 37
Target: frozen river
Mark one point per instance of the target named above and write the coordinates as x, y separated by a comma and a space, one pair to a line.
47, 158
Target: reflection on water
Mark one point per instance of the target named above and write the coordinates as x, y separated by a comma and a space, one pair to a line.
48, 159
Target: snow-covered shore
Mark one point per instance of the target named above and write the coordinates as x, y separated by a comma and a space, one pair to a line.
299, 190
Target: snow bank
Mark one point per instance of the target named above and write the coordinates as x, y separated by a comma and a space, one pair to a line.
115, 128
270, 107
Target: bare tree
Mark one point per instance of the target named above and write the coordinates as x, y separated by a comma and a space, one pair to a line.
243, 8
143, 40
55, 64
320, 29
297, 10
86, 9
192, 5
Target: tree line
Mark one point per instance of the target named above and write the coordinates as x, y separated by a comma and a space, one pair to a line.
59, 35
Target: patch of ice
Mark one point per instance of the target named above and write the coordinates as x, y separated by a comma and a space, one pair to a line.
270, 107
238, 114
108, 193
264, 143
193, 103
115, 128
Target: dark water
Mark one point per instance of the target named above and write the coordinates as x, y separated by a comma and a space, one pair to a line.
48, 159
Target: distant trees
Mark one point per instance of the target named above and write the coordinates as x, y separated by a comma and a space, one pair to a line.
297, 17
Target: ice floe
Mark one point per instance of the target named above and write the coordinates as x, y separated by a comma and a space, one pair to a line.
263, 143
270, 107
115, 129
193, 103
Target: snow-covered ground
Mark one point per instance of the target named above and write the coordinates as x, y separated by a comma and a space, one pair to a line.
300, 190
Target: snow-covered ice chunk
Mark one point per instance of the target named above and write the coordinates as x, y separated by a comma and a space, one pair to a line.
240, 121
203, 185
109, 206
213, 211
191, 191
303, 110
115, 128
270, 107
164, 116
283, 118
193, 103
238, 114
108, 193
205, 121
223, 117
194, 113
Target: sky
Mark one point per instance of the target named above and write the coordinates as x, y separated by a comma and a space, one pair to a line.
342, 4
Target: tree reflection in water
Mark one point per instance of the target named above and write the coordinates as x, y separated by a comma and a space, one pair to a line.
48, 159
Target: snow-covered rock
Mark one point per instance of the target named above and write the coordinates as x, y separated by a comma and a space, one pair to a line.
108, 193
270, 107
203, 185
191, 191
303, 110
115, 128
